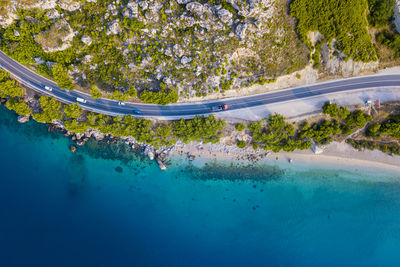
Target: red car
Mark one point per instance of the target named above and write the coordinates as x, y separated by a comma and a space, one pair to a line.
220, 108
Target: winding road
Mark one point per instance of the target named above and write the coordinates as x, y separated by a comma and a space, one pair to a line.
189, 110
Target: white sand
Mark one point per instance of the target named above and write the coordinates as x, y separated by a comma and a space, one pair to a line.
339, 155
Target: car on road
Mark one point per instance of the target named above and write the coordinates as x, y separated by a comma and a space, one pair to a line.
81, 100
48, 88
120, 103
137, 112
220, 107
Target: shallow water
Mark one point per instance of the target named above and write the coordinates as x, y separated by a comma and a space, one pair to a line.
107, 206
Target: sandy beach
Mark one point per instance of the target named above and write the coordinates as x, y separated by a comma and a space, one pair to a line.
335, 154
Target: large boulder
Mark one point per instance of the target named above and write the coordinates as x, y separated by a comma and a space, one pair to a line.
185, 60
224, 15
23, 119
241, 30
196, 8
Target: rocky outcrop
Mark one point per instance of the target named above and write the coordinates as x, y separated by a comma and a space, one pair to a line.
224, 15
72, 148
241, 30
161, 164
23, 119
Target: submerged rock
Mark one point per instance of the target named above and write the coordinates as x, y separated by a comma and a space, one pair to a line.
72, 148
161, 164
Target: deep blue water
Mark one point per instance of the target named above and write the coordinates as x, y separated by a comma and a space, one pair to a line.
64, 209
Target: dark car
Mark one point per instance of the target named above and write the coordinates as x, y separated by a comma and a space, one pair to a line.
137, 112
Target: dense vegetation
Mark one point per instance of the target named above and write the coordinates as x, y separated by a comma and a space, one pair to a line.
162, 50
389, 39
344, 21
380, 12
275, 134
391, 148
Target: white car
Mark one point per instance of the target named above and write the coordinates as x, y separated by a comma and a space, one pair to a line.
81, 100
48, 88
120, 103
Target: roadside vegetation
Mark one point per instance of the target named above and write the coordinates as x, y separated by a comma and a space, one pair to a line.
343, 21
271, 134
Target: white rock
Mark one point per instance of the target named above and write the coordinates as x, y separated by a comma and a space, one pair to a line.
241, 30
69, 5
195, 8
87, 59
114, 28
182, 2
23, 119
53, 14
185, 60
134, 8
38, 60
86, 40
50, 64
178, 51
224, 15
143, 5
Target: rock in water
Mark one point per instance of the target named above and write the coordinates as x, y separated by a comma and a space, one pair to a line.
23, 119
161, 164
150, 155
72, 148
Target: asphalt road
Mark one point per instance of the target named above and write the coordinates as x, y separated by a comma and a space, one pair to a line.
188, 110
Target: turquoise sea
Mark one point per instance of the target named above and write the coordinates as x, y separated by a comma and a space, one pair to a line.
108, 206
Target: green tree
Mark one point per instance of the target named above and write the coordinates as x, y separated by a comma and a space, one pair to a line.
4, 75
73, 111
381, 12
50, 110
240, 126
95, 92
9, 88
162, 97
19, 106
241, 144
132, 91
61, 76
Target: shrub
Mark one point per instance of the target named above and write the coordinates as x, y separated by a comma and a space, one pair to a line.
18, 106
241, 144
240, 126
95, 92
61, 76
162, 97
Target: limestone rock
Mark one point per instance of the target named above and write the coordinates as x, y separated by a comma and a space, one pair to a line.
241, 30
114, 28
224, 15
23, 119
161, 164
196, 8
183, 2
72, 148
185, 60
53, 14
143, 5
178, 50
86, 39
38, 60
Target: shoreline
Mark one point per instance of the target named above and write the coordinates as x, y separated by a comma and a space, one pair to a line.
335, 154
